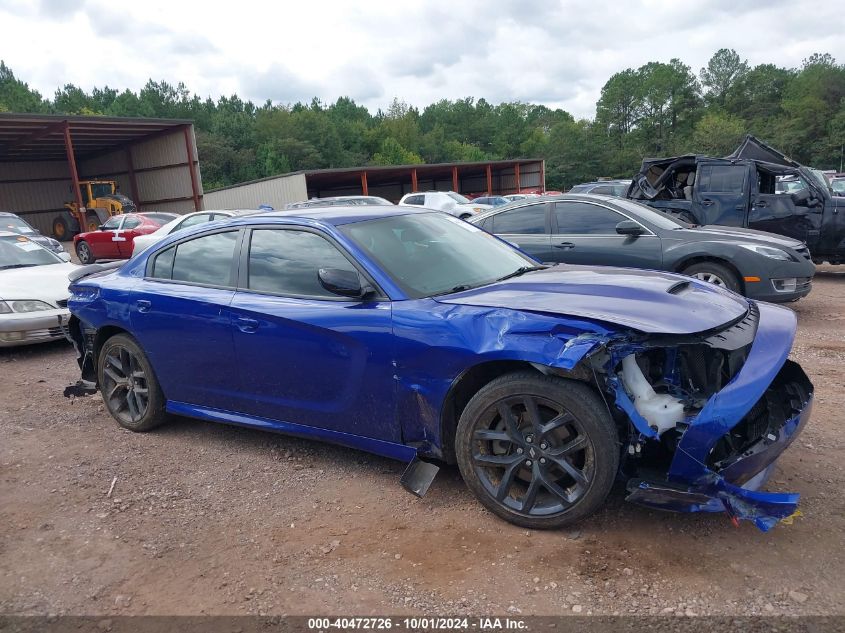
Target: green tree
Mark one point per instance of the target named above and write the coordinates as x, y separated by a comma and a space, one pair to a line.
718, 134
722, 72
392, 153
16, 96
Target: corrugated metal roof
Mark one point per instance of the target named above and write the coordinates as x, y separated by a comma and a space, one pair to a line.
26, 137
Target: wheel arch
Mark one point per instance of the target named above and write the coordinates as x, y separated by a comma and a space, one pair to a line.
468, 383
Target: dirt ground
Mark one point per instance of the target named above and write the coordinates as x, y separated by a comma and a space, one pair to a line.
209, 519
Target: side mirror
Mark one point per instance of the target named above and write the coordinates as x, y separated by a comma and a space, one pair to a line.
64, 256
629, 227
102, 227
345, 283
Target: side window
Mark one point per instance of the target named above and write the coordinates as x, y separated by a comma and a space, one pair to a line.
721, 178
204, 260
112, 223
420, 200
163, 264
286, 262
530, 220
131, 223
582, 218
193, 221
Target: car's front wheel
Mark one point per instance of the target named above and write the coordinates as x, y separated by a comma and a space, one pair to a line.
130, 389
538, 451
714, 273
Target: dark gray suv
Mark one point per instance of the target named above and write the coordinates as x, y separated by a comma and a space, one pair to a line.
605, 231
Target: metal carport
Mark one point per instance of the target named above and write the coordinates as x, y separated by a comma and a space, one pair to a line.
43, 158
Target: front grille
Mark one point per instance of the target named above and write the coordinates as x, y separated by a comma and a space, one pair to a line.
804, 283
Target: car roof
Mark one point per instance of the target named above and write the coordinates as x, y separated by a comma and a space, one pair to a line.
524, 202
339, 215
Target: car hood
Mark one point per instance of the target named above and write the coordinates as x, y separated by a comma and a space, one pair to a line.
648, 301
737, 234
44, 283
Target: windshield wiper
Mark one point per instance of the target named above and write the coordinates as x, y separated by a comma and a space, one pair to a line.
8, 266
521, 271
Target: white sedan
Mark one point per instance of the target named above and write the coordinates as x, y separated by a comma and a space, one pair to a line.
143, 242
33, 291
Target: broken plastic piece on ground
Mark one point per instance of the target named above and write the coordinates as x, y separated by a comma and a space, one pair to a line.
791, 518
80, 389
418, 476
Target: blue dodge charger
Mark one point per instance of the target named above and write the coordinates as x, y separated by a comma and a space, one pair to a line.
417, 336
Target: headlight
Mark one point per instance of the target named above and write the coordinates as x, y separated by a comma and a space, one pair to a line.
29, 305
768, 251
4, 308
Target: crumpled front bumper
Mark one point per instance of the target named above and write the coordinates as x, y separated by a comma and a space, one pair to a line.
33, 327
693, 486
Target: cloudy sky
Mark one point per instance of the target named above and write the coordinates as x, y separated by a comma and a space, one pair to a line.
556, 53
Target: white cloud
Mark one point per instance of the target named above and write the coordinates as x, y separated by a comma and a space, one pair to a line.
559, 54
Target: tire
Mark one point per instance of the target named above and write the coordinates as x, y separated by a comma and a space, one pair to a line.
505, 458
84, 253
61, 230
717, 274
92, 222
129, 386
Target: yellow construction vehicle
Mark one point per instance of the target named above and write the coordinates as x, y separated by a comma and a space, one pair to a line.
100, 201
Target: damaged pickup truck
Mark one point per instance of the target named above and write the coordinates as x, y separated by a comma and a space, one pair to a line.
373, 328
741, 190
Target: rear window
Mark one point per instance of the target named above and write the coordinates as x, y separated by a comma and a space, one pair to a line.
528, 220
204, 260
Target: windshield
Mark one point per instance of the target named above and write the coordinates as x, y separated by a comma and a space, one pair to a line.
428, 254
820, 180
15, 225
19, 252
100, 189
659, 219
457, 197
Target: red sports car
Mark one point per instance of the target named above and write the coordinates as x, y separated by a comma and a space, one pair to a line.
115, 238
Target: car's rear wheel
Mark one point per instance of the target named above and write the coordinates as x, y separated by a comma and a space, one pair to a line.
714, 273
129, 386
83, 252
538, 451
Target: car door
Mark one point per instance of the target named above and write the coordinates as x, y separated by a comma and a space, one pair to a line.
305, 355
526, 226
180, 314
585, 233
104, 243
125, 235
721, 192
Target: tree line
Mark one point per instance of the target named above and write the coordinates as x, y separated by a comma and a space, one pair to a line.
658, 109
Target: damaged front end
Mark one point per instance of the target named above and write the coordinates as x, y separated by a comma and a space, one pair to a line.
708, 414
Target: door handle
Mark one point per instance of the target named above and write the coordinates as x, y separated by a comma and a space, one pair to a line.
245, 324
761, 203
565, 245
144, 305
706, 202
